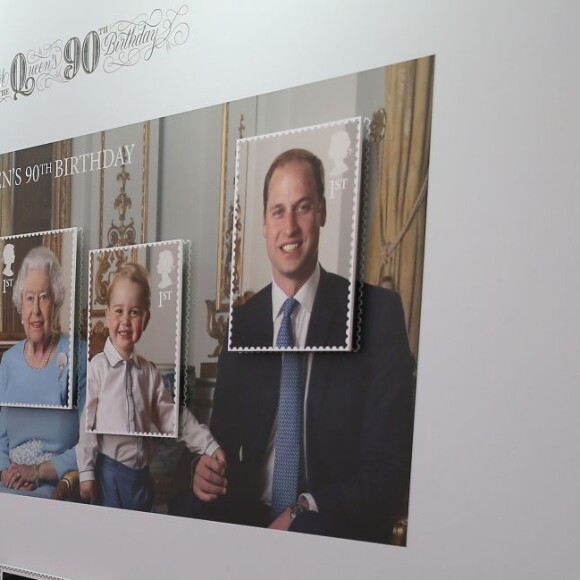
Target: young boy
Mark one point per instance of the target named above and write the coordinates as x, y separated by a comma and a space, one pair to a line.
125, 395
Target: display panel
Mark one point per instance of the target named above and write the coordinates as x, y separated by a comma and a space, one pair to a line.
497, 397
129, 185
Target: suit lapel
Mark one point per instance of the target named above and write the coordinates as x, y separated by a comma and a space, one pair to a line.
265, 403
264, 320
266, 368
327, 327
315, 407
259, 329
327, 311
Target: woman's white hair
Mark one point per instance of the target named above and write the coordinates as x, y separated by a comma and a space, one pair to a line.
44, 260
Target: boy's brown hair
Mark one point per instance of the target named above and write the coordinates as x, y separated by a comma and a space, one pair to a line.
136, 273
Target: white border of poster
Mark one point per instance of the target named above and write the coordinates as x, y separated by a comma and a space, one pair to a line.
495, 476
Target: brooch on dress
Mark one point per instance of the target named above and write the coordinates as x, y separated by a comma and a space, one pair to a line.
61, 362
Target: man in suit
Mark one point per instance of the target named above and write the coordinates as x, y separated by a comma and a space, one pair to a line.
294, 212
346, 451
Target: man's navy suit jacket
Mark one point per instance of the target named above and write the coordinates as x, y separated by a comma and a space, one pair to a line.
358, 411
251, 323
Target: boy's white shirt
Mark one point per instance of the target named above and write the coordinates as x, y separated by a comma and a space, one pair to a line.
132, 451
107, 409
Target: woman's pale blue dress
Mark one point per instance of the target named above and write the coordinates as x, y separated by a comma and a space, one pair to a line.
29, 434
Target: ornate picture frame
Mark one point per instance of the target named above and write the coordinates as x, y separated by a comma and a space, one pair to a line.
33, 203
123, 202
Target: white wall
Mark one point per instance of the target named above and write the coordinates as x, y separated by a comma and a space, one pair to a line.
495, 468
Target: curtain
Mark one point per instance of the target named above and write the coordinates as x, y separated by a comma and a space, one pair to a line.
399, 169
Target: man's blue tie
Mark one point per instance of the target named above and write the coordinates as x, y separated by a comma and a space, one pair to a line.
289, 429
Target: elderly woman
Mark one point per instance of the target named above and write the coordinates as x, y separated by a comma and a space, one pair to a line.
37, 444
